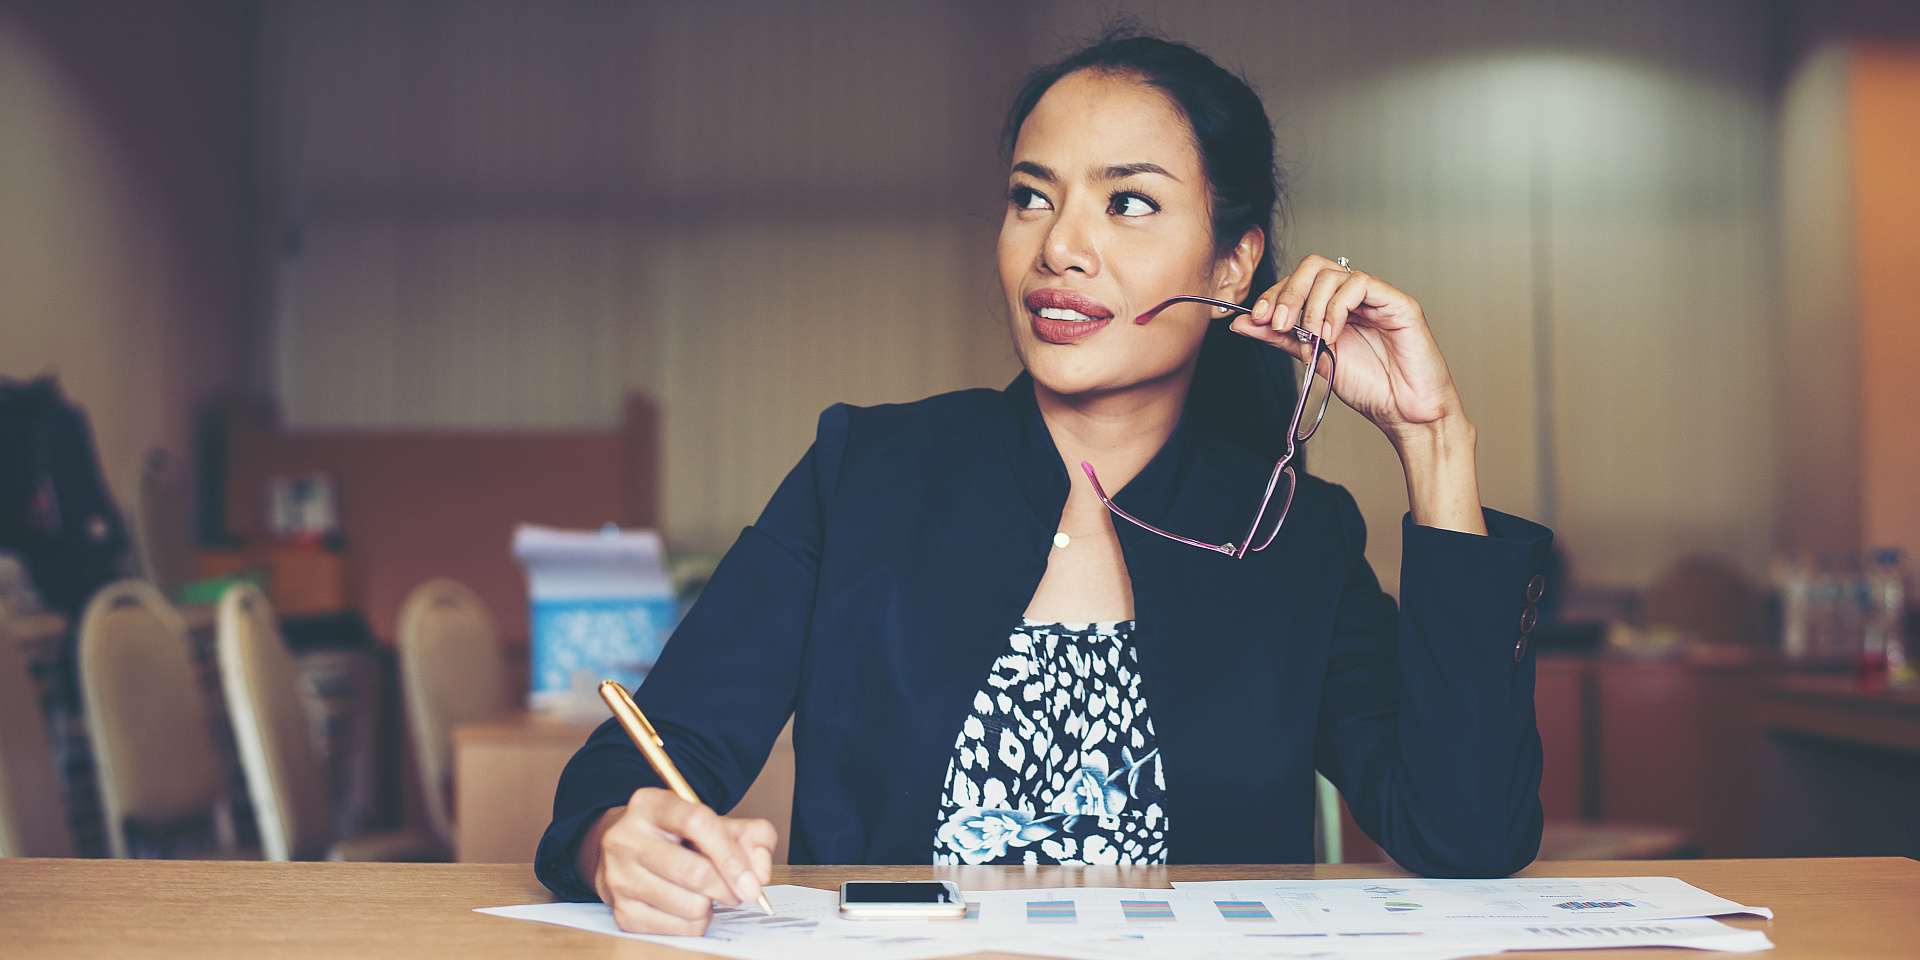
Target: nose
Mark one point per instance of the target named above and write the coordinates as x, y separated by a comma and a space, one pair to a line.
1069, 246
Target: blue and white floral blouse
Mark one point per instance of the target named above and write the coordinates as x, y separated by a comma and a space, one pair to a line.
1057, 762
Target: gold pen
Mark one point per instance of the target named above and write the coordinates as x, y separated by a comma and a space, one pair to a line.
653, 748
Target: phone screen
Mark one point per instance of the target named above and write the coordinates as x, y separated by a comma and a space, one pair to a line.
878, 892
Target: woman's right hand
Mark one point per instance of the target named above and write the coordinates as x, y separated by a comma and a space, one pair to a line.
661, 861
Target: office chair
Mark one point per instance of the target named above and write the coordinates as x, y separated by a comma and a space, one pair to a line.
452, 671
283, 769
147, 713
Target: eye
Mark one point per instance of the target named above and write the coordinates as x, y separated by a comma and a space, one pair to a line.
1027, 198
1131, 205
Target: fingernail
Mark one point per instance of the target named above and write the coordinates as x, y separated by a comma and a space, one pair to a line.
1260, 310
747, 886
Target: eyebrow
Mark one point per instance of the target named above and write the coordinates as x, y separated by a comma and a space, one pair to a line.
1125, 170
1038, 172
1119, 171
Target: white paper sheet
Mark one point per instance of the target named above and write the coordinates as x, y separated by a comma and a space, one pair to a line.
1160, 915
1122, 922
1433, 943
746, 933
1221, 920
1363, 904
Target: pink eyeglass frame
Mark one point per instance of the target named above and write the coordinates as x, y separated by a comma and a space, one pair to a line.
1284, 466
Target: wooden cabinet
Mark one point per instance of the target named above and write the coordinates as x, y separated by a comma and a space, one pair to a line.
504, 774
1838, 770
1561, 699
505, 771
1658, 743
1676, 745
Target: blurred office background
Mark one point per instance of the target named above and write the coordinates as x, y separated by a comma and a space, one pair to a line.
1668, 246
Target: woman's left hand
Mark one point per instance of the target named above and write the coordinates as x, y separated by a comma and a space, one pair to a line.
1390, 369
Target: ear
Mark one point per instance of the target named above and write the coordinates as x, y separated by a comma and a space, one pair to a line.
1234, 272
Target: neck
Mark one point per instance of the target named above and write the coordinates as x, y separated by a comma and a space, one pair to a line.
1117, 431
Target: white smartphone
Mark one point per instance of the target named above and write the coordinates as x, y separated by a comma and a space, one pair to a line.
901, 900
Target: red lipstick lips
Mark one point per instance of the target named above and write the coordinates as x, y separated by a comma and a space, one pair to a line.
1065, 330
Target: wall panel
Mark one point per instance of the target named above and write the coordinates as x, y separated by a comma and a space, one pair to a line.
754, 210
836, 313
507, 214
122, 138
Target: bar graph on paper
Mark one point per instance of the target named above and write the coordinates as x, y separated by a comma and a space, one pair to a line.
1243, 910
1148, 911
1051, 912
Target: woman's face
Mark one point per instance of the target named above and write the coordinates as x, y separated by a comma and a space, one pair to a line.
1107, 216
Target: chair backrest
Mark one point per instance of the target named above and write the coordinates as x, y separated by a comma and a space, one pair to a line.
1326, 821
147, 713
452, 670
33, 820
271, 729
1710, 599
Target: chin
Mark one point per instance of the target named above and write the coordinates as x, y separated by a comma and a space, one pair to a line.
1116, 359
1086, 373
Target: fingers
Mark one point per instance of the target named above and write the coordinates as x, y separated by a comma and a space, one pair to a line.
1313, 312
1301, 299
1280, 306
1347, 297
758, 838
657, 884
637, 916
635, 862
1321, 296
643, 865
636, 886
723, 854
1282, 339
677, 868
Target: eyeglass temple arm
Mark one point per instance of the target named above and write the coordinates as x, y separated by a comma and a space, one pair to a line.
1298, 333
1229, 549
1170, 301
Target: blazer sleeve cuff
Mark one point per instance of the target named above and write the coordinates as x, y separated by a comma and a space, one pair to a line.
1489, 584
603, 775
1500, 527
553, 863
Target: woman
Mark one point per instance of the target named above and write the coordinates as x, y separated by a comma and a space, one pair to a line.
985, 661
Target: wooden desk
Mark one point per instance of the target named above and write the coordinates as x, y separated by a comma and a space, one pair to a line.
1838, 709
1853, 909
505, 770
1838, 770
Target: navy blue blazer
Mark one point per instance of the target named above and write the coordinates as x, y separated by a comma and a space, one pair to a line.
890, 567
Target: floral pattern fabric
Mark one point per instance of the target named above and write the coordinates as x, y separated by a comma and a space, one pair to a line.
1057, 761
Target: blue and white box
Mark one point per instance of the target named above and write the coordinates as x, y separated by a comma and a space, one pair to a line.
602, 608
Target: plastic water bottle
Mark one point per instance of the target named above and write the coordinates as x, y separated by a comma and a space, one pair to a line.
1823, 613
1796, 596
1883, 651
1856, 613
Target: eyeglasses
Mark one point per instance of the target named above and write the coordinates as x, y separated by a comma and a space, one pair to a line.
1280, 486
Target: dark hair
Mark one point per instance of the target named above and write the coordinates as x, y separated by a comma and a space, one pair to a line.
1241, 387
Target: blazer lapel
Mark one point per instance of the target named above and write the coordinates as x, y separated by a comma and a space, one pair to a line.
1212, 659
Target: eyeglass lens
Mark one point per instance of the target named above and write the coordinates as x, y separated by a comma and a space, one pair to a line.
1274, 511
1319, 391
